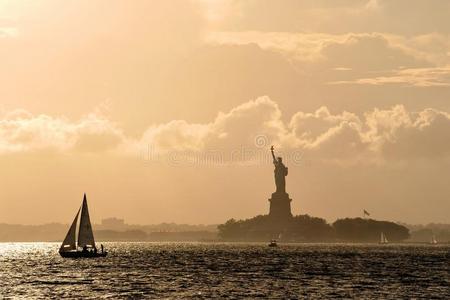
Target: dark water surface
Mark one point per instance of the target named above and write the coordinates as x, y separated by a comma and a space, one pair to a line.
198, 270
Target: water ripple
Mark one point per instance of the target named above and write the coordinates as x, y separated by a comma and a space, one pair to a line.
231, 271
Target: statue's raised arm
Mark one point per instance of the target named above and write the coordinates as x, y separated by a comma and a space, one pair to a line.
273, 155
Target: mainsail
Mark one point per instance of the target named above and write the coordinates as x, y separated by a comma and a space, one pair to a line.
85, 234
69, 242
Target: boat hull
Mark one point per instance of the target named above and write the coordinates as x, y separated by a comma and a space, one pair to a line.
79, 254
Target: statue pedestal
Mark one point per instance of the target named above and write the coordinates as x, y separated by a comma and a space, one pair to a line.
280, 206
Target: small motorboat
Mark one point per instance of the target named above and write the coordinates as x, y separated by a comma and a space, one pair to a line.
273, 243
85, 246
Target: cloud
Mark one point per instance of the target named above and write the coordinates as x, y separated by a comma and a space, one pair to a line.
366, 58
20, 131
177, 135
229, 132
402, 135
243, 123
328, 136
300, 46
378, 136
245, 133
375, 50
419, 77
394, 134
342, 16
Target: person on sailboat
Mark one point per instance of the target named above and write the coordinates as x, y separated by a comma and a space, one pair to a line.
101, 245
85, 250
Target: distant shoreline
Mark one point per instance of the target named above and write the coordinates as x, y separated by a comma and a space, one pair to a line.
170, 232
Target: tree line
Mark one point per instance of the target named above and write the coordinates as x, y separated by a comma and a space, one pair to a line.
311, 229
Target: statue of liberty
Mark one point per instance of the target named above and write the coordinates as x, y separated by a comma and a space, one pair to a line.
281, 171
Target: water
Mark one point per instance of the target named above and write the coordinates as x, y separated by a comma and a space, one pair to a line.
200, 270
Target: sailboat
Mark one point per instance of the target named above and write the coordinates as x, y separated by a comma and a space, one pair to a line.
433, 240
85, 246
383, 239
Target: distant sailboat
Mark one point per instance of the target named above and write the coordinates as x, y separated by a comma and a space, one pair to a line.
383, 239
86, 242
433, 240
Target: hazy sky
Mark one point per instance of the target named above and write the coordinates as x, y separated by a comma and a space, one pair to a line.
166, 110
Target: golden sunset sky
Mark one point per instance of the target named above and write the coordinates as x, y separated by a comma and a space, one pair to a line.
164, 111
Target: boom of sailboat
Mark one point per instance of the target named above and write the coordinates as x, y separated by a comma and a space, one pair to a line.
84, 246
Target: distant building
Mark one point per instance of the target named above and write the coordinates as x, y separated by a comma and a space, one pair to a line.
113, 224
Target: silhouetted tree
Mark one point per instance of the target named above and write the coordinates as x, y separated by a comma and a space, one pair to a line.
263, 227
305, 227
368, 230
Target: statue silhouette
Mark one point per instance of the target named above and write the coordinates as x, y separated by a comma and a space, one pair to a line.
281, 171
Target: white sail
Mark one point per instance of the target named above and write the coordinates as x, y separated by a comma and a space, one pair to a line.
69, 242
433, 240
85, 234
383, 239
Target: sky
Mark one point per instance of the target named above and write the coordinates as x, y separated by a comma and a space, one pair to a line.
165, 111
